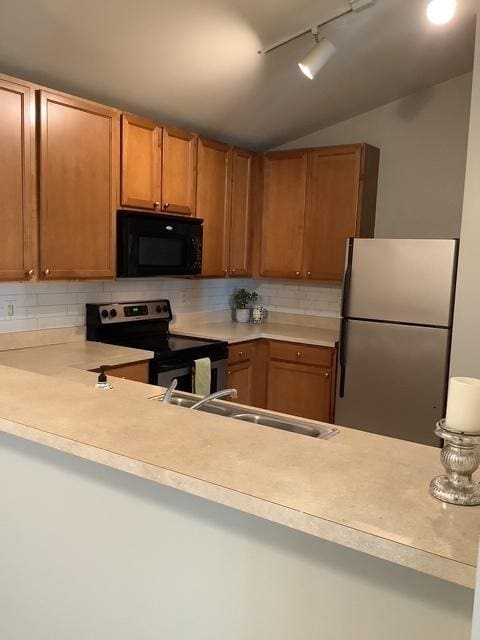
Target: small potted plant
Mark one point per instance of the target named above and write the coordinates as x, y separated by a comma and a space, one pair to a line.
241, 299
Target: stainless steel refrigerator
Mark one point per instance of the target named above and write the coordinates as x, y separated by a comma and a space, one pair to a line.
393, 356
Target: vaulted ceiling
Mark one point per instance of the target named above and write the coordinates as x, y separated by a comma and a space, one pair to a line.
194, 63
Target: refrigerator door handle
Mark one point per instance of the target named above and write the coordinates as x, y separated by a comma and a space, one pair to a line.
342, 357
347, 278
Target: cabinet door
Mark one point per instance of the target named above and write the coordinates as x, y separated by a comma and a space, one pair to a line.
141, 155
179, 170
331, 209
240, 214
285, 175
16, 182
240, 377
299, 390
78, 181
137, 371
213, 204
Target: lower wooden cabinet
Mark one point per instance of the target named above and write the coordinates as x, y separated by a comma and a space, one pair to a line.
241, 370
296, 379
300, 380
300, 390
137, 371
240, 377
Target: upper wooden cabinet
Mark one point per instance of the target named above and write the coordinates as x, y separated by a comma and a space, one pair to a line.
141, 163
334, 208
224, 202
285, 179
323, 197
213, 204
179, 159
78, 182
16, 182
240, 239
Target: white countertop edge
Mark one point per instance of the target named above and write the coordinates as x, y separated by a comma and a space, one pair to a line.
437, 566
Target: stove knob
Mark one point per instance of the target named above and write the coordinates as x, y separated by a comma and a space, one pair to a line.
104, 313
158, 308
165, 308
113, 313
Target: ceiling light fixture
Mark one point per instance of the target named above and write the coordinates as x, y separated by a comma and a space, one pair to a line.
317, 57
323, 49
441, 11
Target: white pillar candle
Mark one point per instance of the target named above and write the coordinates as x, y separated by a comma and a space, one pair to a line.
463, 405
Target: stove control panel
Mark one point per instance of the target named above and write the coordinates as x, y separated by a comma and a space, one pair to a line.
134, 311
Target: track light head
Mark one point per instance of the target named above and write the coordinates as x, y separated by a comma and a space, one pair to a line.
317, 57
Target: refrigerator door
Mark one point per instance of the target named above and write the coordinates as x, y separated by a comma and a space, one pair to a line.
392, 379
406, 281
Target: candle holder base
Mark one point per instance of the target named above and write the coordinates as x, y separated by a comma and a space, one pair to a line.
461, 458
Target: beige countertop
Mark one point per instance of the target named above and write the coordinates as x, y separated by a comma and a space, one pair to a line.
233, 332
363, 491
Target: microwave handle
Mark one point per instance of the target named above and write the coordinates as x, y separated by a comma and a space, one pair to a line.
193, 249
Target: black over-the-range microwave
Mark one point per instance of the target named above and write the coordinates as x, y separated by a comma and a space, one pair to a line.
158, 245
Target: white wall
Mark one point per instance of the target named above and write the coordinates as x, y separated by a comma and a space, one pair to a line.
466, 324
423, 140
89, 553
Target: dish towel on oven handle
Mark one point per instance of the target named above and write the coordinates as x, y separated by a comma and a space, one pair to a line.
202, 376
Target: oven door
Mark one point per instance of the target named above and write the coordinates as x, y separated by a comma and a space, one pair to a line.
183, 372
158, 245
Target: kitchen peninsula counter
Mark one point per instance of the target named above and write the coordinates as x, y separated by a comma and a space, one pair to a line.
359, 490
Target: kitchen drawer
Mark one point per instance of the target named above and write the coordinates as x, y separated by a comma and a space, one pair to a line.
241, 352
302, 353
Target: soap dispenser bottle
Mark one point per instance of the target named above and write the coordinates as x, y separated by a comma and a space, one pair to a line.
102, 382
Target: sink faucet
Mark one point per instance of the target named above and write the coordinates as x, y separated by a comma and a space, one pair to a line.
167, 397
213, 396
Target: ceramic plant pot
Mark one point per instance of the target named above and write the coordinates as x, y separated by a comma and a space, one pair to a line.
242, 315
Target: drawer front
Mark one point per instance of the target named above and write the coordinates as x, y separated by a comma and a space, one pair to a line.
241, 352
302, 353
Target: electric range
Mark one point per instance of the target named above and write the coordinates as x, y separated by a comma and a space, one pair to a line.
145, 325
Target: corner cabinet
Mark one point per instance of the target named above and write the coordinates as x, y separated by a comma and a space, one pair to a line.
213, 204
16, 181
313, 201
179, 171
240, 227
78, 183
224, 179
141, 163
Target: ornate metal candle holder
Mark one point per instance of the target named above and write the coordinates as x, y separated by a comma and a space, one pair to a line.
461, 458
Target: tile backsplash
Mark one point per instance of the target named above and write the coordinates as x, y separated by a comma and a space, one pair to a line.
304, 298
46, 305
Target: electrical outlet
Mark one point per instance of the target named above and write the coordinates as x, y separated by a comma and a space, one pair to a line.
10, 309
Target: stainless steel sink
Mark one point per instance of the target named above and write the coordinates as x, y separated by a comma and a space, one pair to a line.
210, 407
293, 426
255, 416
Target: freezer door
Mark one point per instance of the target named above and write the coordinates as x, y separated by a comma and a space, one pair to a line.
392, 379
406, 281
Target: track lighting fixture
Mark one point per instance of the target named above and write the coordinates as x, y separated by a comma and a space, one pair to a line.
317, 57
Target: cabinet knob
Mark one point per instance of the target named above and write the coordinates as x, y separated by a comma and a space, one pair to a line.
327, 375
233, 270
299, 354
229, 372
297, 273
166, 205
309, 273
46, 272
240, 353
226, 272
156, 204
30, 273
